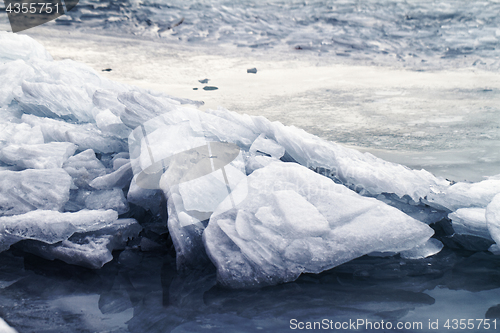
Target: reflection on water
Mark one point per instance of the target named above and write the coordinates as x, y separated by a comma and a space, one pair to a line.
141, 292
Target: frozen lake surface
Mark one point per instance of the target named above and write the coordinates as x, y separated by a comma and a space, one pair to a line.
414, 83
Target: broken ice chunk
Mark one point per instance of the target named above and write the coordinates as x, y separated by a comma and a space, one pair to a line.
107, 199
5, 328
147, 199
120, 159
470, 221
493, 219
56, 100
430, 248
205, 193
23, 191
464, 195
84, 167
91, 249
365, 173
38, 156
85, 136
50, 226
16, 46
294, 221
140, 108
301, 217
267, 146
119, 178
495, 249
12, 133
186, 231
111, 124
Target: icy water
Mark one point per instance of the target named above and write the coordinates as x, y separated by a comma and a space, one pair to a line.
412, 82
140, 292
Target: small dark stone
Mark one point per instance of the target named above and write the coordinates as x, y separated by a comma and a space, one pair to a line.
210, 88
493, 312
195, 88
252, 70
107, 70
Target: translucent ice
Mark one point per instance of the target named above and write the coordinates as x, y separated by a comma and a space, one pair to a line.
12, 133
147, 199
140, 108
23, 191
89, 249
119, 178
38, 156
293, 221
21, 47
85, 136
463, 195
51, 226
186, 231
267, 146
84, 167
430, 248
56, 100
470, 221
107, 199
364, 173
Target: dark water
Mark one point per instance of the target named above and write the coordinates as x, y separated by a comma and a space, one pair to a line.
141, 292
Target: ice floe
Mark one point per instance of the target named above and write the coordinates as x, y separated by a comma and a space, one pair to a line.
261, 201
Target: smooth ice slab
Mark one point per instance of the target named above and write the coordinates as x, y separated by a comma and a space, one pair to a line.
293, 221
50, 226
23, 191
84, 168
85, 136
464, 195
429, 248
364, 173
119, 178
470, 221
38, 156
16, 47
88, 249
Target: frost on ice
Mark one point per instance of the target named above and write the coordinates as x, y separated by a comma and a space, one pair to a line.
262, 201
